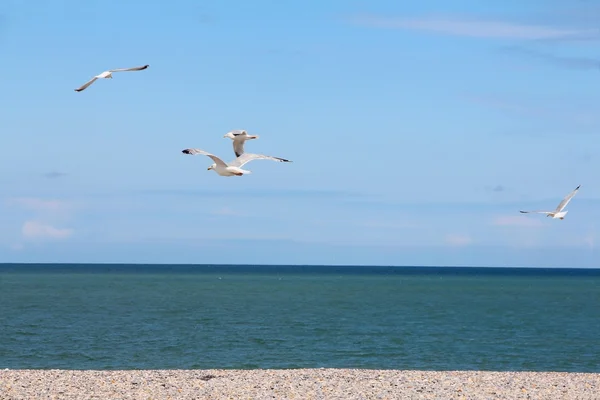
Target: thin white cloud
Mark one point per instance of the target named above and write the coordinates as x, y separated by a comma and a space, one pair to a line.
555, 59
585, 240
39, 230
470, 27
513, 105
590, 240
378, 224
39, 205
557, 112
47, 212
456, 239
17, 246
516, 220
226, 211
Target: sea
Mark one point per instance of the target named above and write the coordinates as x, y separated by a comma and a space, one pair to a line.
107, 317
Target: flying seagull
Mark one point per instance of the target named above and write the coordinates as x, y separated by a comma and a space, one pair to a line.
239, 136
108, 75
558, 213
235, 166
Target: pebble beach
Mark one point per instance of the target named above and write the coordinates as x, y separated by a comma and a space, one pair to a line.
295, 384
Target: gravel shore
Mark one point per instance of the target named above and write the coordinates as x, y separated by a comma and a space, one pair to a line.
302, 384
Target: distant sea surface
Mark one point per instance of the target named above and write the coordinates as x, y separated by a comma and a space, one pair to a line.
187, 317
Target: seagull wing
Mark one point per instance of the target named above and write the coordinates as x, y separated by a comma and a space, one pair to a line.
536, 212
237, 132
238, 146
129, 69
216, 159
85, 85
239, 138
247, 157
567, 199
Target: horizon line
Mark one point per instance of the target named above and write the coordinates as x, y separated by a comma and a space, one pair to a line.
295, 265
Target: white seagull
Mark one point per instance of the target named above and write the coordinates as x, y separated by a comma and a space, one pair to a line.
108, 75
558, 213
235, 166
239, 136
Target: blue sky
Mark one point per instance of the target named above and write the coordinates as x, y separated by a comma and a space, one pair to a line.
417, 132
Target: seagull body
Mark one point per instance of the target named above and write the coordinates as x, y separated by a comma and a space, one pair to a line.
108, 75
234, 168
239, 137
558, 213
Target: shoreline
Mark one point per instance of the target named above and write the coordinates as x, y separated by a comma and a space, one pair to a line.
319, 383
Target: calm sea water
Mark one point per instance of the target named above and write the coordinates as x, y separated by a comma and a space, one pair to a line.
159, 316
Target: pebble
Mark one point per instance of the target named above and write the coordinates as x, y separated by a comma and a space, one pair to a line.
347, 384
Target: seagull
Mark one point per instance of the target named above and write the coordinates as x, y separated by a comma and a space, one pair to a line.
239, 136
108, 75
558, 213
235, 166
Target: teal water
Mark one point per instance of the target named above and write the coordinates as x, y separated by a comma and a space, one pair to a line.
163, 317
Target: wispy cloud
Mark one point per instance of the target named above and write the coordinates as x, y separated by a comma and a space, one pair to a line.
457, 240
39, 205
282, 52
227, 211
564, 113
500, 103
590, 240
557, 60
47, 212
574, 12
379, 224
17, 246
40, 230
516, 220
54, 174
472, 27
256, 193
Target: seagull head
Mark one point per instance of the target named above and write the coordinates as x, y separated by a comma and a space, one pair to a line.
229, 135
211, 167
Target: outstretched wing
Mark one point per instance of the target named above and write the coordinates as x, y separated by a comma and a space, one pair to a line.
130, 69
247, 157
238, 147
536, 212
239, 138
567, 199
237, 132
194, 152
85, 85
